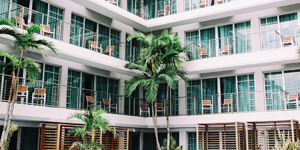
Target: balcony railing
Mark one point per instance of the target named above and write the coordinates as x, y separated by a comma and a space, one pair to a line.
23, 17
200, 4
50, 94
285, 37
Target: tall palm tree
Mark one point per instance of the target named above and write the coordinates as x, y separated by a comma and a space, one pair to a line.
149, 78
31, 68
94, 122
23, 42
168, 52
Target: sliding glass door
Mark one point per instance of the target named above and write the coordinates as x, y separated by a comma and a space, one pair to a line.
208, 41
242, 37
225, 34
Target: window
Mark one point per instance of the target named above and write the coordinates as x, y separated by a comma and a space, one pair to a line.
192, 143
76, 30
74, 80
194, 97
115, 41
278, 86
133, 49
274, 29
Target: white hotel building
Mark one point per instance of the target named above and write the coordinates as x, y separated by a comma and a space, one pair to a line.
245, 64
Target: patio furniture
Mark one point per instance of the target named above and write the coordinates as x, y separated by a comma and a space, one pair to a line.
109, 106
93, 46
160, 108
23, 93
207, 105
113, 2
164, 12
202, 53
46, 30
293, 99
227, 105
21, 23
109, 50
226, 49
144, 109
220, 1
39, 95
138, 14
287, 40
203, 4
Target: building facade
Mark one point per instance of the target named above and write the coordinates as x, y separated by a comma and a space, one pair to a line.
245, 64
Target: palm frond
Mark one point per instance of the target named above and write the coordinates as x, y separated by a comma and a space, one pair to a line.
14, 59
7, 22
47, 44
151, 88
34, 28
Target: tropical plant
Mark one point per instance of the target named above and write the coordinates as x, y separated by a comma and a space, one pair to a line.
166, 50
12, 129
286, 144
23, 42
94, 122
172, 145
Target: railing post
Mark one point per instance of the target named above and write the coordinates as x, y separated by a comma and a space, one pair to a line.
78, 98
21, 17
275, 39
237, 102
212, 102
170, 106
228, 45
209, 48
9, 9
201, 98
129, 108
280, 99
231, 103
195, 110
134, 106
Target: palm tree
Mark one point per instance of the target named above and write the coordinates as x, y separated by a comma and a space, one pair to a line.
167, 53
31, 68
94, 122
23, 42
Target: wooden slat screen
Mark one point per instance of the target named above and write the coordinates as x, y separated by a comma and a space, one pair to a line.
221, 136
262, 135
57, 137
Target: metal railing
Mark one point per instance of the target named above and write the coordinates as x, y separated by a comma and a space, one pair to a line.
200, 4
50, 94
285, 37
23, 17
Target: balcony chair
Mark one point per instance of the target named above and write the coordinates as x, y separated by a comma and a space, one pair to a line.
144, 109
288, 40
219, 1
226, 49
160, 108
39, 95
110, 106
23, 93
227, 105
93, 46
109, 50
202, 53
19, 23
138, 14
164, 12
207, 105
46, 30
293, 99
203, 4
113, 2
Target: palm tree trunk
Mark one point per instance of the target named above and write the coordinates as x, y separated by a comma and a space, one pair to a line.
167, 117
154, 117
3, 136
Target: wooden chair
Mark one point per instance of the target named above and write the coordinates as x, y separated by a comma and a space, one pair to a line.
39, 95
203, 4
164, 12
207, 105
293, 99
23, 93
110, 106
226, 49
288, 40
109, 50
138, 14
220, 1
20, 23
46, 30
227, 104
113, 2
144, 109
202, 53
93, 46
160, 108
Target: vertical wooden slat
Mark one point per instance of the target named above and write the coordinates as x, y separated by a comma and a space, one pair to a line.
127, 139
197, 136
236, 136
58, 137
293, 130
42, 137
206, 137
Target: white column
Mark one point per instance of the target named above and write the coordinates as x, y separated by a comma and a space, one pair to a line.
19, 138
121, 99
141, 141
180, 6
67, 25
259, 95
255, 26
124, 4
122, 46
183, 139
182, 101
63, 86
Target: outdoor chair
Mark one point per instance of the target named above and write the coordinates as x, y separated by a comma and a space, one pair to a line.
39, 95
144, 109
160, 108
46, 30
203, 4
226, 49
164, 12
109, 106
109, 50
93, 46
20, 23
23, 93
227, 105
207, 105
293, 99
202, 53
288, 40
